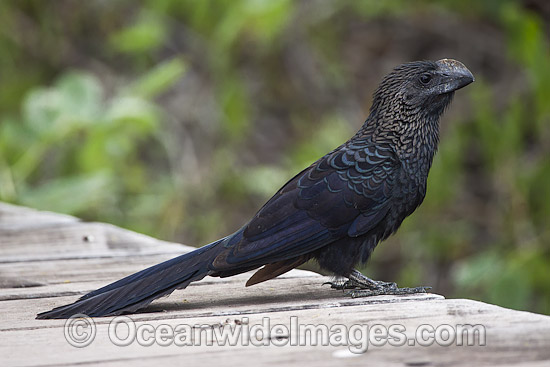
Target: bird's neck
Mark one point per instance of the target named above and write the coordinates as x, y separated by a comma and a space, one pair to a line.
414, 142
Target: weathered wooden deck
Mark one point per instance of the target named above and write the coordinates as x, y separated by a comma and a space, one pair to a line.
48, 259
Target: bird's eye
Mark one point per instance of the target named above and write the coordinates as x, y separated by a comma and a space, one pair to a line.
425, 78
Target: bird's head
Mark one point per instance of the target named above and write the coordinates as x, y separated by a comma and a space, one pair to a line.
420, 89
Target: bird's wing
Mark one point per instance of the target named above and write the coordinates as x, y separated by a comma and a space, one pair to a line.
345, 193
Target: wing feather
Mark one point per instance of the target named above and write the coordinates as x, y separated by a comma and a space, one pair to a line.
345, 193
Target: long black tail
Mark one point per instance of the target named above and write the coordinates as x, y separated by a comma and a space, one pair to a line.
138, 290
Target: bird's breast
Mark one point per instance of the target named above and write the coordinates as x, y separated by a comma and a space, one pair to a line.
410, 188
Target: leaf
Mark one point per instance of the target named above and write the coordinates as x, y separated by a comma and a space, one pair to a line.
144, 36
159, 79
81, 95
73, 101
139, 115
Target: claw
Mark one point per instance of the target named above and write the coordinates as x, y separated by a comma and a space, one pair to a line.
341, 285
385, 285
335, 285
388, 291
362, 286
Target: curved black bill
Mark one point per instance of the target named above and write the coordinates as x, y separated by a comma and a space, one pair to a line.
455, 75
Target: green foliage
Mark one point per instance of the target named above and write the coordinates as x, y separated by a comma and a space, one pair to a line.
515, 152
146, 35
75, 152
180, 118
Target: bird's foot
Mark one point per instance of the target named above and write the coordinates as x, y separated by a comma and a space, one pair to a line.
362, 286
382, 291
340, 285
352, 284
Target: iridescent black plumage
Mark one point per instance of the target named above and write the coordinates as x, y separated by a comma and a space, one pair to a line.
336, 211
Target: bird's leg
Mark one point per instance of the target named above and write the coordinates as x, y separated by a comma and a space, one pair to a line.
362, 286
357, 280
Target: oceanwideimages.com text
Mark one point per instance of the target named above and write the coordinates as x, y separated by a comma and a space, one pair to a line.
80, 331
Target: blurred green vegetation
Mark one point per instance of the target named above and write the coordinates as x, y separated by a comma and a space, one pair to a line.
180, 118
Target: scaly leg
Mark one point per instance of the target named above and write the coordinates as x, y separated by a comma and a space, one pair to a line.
362, 286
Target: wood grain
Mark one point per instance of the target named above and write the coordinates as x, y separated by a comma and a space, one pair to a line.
48, 259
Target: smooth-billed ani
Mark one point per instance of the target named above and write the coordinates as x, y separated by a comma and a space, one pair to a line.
335, 211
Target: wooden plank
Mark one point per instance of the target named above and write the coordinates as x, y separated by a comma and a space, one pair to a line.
32, 235
78, 240
47, 260
13, 217
211, 297
533, 338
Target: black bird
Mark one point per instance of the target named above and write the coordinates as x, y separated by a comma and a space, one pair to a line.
335, 211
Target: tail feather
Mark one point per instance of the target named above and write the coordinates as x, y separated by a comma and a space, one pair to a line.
138, 290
